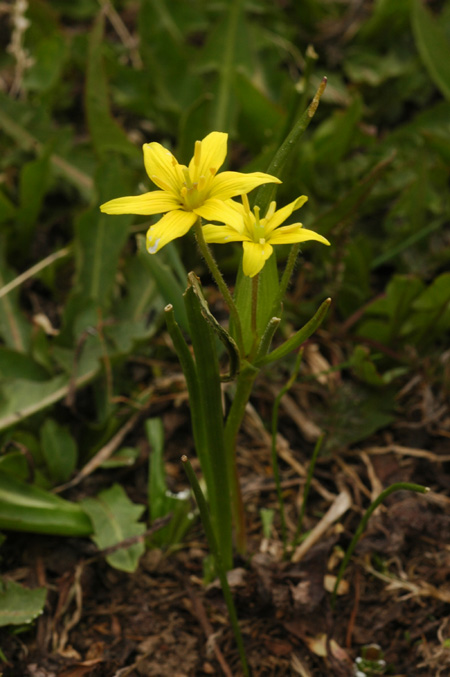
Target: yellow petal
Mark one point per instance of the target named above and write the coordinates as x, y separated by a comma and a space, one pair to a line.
229, 184
255, 256
172, 225
282, 214
162, 167
295, 233
217, 210
222, 234
210, 158
156, 202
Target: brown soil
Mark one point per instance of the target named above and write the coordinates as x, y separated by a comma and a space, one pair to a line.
162, 620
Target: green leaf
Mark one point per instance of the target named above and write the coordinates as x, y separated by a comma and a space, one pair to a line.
20, 605
114, 518
7, 209
436, 296
157, 487
223, 335
59, 450
433, 45
106, 134
168, 285
100, 238
14, 329
268, 285
391, 311
48, 63
17, 365
298, 338
25, 507
33, 185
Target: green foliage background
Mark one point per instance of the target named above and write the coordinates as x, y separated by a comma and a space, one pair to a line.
99, 80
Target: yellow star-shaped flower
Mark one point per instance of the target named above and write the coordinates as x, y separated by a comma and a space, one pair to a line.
259, 234
186, 192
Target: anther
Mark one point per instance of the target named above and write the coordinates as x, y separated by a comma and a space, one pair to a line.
197, 153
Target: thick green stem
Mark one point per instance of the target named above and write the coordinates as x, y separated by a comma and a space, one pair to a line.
220, 568
210, 405
236, 414
217, 275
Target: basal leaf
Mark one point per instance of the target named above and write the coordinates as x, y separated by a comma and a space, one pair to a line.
100, 238
114, 518
433, 45
106, 134
59, 450
19, 605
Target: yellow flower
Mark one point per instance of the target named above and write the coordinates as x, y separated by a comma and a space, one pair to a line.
259, 234
186, 192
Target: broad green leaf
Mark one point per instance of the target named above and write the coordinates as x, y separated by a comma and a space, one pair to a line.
100, 238
106, 134
259, 119
21, 398
33, 185
59, 450
436, 296
393, 310
7, 209
433, 45
115, 518
48, 62
25, 507
15, 463
355, 412
335, 136
20, 605
14, 364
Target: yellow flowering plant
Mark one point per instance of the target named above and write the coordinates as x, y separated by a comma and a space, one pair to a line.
186, 195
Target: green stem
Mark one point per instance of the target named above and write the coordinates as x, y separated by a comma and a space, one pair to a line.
309, 477
275, 468
254, 304
236, 414
190, 373
398, 486
217, 275
300, 99
210, 406
266, 193
221, 571
285, 279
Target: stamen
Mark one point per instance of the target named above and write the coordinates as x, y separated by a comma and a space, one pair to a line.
187, 178
197, 153
245, 202
256, 211
201, 183
262, 240
271, 211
